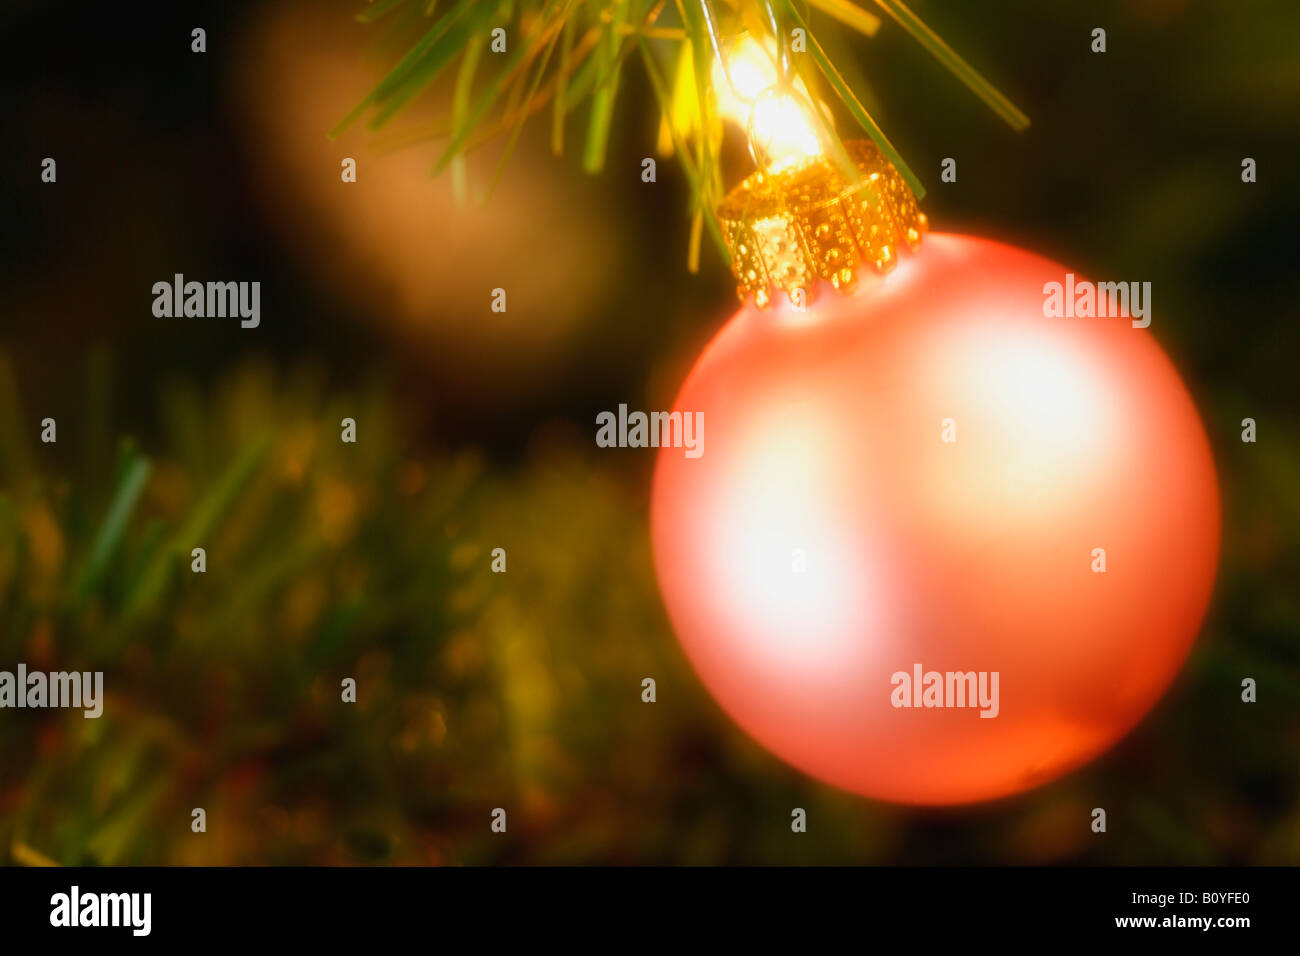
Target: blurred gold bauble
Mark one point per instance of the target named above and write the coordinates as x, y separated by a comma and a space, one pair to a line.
396, 246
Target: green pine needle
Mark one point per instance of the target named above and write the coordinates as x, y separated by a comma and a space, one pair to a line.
934, 44
133, 475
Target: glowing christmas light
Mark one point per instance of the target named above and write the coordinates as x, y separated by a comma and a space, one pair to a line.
774, 114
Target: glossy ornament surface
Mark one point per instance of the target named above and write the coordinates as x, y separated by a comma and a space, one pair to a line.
916, 477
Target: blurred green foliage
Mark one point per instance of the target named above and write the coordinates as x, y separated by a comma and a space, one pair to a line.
479, 690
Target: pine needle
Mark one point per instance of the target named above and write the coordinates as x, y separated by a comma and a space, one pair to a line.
460, 108
532, 92
517, 60
602, 106
850, 14
378, 9
24, 855
850, 100
427, 69
400, 73
692, 175
219, 498
959, 67
561, 88
133, 475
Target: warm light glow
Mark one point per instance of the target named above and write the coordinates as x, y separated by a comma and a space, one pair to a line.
802, 582
1045, 405
748, 94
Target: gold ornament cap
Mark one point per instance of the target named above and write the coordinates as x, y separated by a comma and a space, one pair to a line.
789, 227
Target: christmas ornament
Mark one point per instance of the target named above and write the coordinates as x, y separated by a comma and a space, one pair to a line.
940, 547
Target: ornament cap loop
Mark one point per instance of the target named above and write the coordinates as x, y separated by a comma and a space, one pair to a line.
789, 227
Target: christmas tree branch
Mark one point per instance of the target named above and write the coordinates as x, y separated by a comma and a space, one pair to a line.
579, 49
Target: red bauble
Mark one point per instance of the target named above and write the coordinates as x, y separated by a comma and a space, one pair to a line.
829, 538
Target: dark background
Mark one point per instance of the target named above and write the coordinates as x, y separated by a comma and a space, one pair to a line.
523, 690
